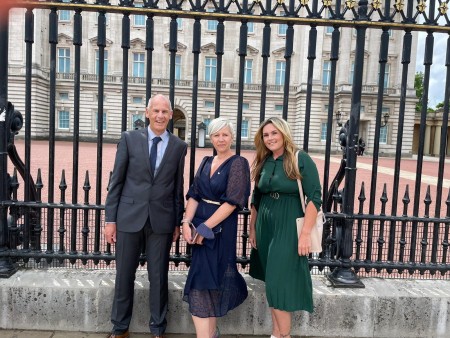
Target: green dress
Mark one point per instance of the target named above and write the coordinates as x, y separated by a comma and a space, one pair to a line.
276, 260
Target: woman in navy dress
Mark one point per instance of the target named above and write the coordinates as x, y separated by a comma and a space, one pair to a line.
221, 187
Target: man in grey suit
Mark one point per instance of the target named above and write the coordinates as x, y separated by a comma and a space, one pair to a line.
144, 207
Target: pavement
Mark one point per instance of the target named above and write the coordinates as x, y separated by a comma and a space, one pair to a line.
68, 334
76, 303
408, 168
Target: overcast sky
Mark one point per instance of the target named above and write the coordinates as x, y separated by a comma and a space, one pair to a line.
438, 70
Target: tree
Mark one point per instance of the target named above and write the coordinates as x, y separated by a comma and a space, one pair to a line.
440, 105
418, 86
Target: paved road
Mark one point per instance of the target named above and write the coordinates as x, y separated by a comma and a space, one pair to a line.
67, 334
88, 163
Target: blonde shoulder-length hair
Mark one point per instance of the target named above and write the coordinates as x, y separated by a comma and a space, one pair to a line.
217, 124
290, 163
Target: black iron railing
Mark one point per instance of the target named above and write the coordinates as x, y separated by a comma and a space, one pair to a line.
36, 230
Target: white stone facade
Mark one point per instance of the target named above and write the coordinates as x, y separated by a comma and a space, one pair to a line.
136, 96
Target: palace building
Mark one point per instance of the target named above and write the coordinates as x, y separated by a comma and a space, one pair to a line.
184, 77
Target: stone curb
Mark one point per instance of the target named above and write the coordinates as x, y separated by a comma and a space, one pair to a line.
80, 300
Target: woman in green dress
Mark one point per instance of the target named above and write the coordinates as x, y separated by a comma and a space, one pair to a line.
279, 257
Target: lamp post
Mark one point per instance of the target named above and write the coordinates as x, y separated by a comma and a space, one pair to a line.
338, 118
344, 276
201, 134
385, 119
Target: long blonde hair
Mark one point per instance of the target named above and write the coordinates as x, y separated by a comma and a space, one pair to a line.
290, 163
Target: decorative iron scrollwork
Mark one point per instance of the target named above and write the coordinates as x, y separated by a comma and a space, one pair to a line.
326, 3
399, 5
421, 6
443, 8
376, 4
14, 122
350, 4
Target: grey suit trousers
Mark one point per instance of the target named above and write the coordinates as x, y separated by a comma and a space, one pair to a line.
128, 249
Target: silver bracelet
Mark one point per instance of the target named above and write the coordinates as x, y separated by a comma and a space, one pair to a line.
185, 220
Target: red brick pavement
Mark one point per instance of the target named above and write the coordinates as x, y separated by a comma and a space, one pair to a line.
385, 176
88, 162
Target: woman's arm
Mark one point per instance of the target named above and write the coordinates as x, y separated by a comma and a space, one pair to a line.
313, 192
304, 241
216, 218
222, 213
236, 195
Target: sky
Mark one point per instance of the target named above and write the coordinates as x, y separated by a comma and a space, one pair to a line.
438, 70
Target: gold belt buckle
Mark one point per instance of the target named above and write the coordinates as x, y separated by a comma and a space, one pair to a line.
275, 195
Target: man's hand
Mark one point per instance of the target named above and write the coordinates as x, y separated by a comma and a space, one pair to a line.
176, 234
110, 232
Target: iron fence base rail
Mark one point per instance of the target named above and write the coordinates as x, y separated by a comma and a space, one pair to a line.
7, 267
344, 278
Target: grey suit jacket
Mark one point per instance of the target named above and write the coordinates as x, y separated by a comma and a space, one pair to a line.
134, 195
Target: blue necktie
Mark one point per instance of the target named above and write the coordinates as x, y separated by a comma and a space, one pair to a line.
154, 152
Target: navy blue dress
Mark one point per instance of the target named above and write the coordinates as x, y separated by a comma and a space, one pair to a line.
214, 286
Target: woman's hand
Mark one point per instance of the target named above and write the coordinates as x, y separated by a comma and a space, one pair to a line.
252, 238
304, 244
198, 240
187, 233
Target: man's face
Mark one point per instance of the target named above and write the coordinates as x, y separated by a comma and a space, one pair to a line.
159, 114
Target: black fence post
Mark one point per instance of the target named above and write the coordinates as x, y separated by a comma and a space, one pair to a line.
7, 268
345, 276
